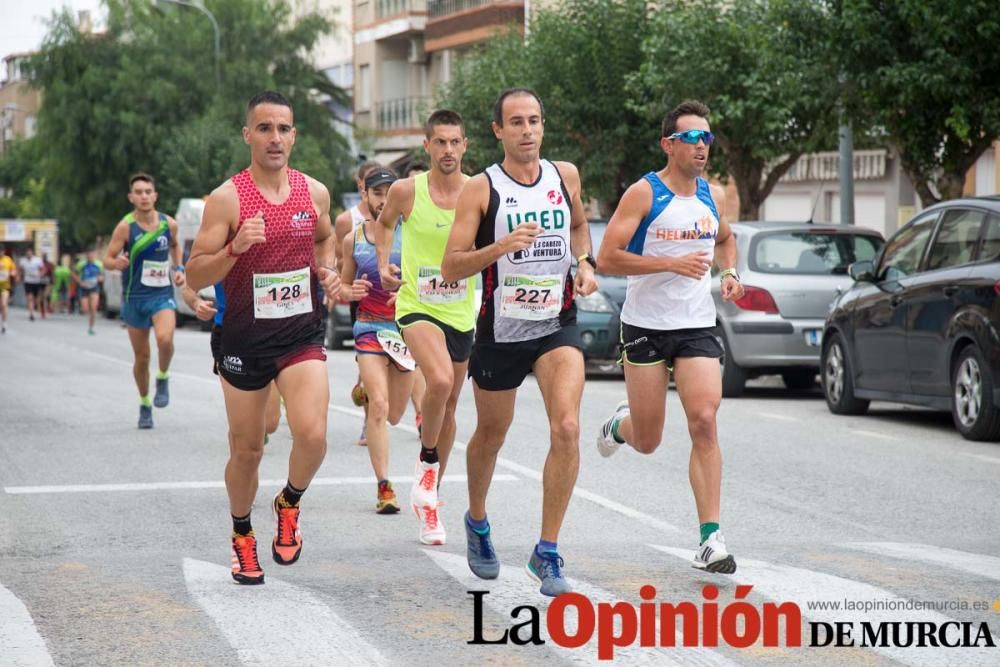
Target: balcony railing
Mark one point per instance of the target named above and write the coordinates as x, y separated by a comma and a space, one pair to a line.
403, 113
437, 8
385, 8
868, 165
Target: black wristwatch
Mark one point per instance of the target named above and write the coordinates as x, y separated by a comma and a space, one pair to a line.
587, 258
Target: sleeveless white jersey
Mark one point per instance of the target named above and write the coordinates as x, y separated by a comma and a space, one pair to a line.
357, 217
675, 226
527, 294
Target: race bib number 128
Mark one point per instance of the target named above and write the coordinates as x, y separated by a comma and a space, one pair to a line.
279, 295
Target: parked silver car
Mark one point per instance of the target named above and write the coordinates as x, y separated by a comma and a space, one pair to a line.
791, 272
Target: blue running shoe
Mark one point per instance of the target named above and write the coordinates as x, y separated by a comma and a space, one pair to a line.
145, 416
545, 569
162, 397
480, 553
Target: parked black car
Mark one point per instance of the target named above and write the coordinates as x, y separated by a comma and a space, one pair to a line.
921, 324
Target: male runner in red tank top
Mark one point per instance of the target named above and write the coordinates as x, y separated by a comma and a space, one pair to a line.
266, 233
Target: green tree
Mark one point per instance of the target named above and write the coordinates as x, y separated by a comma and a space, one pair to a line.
578, 58
143, 97
21, 175
928, 73
765, 68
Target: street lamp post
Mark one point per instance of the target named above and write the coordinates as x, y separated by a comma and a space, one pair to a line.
215, 27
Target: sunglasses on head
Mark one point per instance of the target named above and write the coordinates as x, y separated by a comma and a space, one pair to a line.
694, 136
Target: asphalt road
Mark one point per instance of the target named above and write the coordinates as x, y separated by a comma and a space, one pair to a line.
114, 542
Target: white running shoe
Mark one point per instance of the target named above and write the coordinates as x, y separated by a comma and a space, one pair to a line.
712, 555
424, 501
606, 443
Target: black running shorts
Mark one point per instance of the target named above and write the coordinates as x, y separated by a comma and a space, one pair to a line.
503, 366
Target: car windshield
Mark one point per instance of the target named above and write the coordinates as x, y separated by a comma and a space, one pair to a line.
811, 252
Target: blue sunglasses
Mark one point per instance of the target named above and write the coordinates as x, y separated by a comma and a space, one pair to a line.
694, 136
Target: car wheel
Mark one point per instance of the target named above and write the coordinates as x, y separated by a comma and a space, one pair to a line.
972, 408
838, 381
734, 378
799, 378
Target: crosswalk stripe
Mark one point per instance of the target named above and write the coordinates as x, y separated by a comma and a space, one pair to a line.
514, 588
277, 623
220, 484
977, 564
783, 583
20, 643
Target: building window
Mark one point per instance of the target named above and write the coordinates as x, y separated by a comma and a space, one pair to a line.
364, 88
29, 127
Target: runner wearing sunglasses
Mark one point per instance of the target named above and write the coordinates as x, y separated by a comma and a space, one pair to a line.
664, 236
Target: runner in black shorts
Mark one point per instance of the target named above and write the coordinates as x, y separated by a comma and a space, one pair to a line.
521, 223
271, 276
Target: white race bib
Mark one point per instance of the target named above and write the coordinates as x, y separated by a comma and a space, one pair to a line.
396, 348
155, 274
279, 295
432, 289
4, 275
531, 297
88, 283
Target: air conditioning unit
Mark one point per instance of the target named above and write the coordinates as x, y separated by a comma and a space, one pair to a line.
417, 54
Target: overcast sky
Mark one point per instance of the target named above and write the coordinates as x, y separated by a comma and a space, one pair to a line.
22, 22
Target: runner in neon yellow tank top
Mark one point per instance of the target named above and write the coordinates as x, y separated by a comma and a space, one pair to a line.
436, 318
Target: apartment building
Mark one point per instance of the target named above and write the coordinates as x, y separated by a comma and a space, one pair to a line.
884, 198
19, 102
403, 50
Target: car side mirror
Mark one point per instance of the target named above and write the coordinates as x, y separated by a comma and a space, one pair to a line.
862, 271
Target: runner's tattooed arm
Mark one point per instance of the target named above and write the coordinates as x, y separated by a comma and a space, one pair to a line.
398, 204
725, 248
461, 258
584, 283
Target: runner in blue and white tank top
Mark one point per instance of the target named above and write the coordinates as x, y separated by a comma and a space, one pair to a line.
521, 223
664, 236
151, 256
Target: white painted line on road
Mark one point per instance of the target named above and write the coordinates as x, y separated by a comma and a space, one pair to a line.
983, 457
873, 434
218, 484
20, 643
277, 623
596, 498
771, 415
515, 588
783, 583
964, 561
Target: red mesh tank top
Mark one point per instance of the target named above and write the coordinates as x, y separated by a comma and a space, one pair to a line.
271, 292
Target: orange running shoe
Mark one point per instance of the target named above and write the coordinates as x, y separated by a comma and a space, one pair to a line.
246, 567
387, 503
287, 543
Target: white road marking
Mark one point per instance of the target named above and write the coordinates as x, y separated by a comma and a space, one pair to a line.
983, 457
218, 484
783, 583
515, 588
771, 415
873, 434
277, 623
20, 643
977, 564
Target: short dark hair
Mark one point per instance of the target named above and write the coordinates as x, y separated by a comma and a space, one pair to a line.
685, 108
498, 105
267, 97
140, 176
367, 166
443, 117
